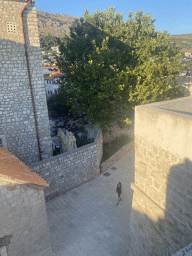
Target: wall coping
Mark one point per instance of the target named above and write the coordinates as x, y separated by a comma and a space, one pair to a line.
161, 107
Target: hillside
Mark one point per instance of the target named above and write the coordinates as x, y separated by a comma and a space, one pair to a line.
184, 40
56, 25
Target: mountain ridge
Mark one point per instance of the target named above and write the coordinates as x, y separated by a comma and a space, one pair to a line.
57, 25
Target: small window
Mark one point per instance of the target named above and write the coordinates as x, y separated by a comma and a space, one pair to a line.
11, 27
1, 142
51, 92
55, 91
48, 91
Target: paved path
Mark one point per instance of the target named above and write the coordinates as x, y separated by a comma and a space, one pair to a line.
86, 220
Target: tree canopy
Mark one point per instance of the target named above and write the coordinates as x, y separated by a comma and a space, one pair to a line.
112, 65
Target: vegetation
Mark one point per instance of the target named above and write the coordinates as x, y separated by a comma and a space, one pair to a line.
183, 42
111, 66
46, 42
56, 25
56, 105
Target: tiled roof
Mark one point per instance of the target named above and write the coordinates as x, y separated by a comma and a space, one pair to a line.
51, 67
12, 167
55, 74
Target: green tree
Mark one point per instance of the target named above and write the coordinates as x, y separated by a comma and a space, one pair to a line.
47, 41
56, 105
111, 66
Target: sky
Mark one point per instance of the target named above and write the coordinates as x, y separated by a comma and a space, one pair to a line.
173, 16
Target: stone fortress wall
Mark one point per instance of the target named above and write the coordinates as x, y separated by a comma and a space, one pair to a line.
24, 227
16, 110
71, 169
162, 199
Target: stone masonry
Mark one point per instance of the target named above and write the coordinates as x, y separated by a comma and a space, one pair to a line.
162, 199
23, 225
71, 169
16, 111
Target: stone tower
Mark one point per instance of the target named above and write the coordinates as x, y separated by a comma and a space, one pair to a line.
24, 122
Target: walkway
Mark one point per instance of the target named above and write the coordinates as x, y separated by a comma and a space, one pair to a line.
86, 220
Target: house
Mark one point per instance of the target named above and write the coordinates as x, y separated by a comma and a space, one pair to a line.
43, 52
55, 49
24, 226
52, 58
49, 69
45, 62
52, 83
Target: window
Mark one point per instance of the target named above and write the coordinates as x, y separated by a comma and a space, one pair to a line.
48, 91
51, 92
11, 27
55, 91
1, 142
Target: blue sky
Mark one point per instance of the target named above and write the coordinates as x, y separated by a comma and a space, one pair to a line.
171, 15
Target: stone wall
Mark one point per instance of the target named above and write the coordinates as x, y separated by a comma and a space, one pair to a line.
23, 223
187, 251
73, 168
162, 199
16, 111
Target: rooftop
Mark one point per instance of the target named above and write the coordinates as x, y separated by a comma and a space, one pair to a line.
12, 167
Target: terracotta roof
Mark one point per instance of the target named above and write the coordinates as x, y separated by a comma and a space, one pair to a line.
55, 74
12, 167
51, 67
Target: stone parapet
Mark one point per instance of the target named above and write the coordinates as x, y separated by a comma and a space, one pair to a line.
71, 169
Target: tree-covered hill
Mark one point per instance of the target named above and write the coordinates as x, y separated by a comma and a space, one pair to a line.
184, 40
53, 25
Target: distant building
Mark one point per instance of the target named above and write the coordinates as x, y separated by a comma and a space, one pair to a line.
43, 52
52, 83
49, 69
52, 58
55, 49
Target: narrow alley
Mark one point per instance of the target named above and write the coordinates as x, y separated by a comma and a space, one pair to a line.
86, 220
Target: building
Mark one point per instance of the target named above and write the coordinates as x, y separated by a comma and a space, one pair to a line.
162, 191
55, 49
23, 111
52, 83
43, 52
24, 227
49, 69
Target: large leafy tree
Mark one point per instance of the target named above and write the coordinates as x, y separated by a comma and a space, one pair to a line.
112, 65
